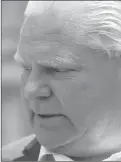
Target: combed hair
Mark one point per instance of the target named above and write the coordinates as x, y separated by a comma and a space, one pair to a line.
99, 21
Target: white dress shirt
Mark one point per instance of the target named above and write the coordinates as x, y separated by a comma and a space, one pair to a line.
59, 157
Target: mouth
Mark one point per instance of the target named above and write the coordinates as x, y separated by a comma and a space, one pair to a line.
50, 121
46, 116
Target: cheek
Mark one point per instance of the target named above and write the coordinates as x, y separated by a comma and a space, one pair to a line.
76, 96
81, 97
75, 91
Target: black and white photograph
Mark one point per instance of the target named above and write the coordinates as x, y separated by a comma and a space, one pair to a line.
61, 80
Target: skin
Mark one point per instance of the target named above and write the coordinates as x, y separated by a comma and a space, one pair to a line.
61, 76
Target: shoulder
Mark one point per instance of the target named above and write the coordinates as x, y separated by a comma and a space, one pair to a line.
14, 149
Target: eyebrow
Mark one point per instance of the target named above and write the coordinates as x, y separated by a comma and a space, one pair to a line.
45, 65
56, 65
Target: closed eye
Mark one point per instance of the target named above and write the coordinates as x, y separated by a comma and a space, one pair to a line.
59, 70
27, 68
64, 70
24, 67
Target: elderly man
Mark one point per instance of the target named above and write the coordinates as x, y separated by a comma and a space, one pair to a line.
71, 82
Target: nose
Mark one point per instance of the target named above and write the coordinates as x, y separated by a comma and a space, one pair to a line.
37, 86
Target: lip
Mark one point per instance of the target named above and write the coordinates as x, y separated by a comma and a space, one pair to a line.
49, 121
47, 116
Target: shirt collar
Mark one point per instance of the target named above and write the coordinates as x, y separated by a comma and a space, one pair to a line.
57, 157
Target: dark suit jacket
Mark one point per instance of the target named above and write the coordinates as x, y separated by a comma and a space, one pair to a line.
28, 149
25, 149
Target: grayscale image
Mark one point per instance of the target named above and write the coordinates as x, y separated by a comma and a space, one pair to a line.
61, 80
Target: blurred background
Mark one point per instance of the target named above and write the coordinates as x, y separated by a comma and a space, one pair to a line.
13, 125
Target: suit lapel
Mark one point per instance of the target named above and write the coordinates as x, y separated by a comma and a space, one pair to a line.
31, 151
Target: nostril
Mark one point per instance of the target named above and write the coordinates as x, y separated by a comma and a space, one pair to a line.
44, 97
45, 91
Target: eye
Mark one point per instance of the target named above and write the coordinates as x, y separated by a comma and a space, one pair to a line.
57, 70
28, 69
63, 70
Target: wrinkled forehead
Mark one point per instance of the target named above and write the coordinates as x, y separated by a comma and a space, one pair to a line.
47, 18
38, 7
52, 23
46, 30
66, 23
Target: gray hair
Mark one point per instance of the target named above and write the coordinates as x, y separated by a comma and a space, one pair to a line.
99, 21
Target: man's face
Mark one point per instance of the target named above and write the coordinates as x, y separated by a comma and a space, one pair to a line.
71, 93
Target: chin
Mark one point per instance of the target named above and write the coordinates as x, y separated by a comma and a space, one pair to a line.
85, 153
90, 150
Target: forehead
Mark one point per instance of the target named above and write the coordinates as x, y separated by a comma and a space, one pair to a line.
43, 33
52, 23
57, 23
51, 34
